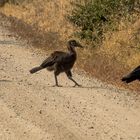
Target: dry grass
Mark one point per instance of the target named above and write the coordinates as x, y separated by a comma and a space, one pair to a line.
124, 45
118, 55
47, 15
43, 23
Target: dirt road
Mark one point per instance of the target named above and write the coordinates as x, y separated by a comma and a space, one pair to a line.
31, 109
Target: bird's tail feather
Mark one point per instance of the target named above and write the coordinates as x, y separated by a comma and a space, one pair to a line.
35, 69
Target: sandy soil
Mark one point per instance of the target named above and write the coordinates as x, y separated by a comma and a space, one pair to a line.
31, 109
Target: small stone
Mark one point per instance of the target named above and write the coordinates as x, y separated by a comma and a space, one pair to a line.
91, 127
40, 111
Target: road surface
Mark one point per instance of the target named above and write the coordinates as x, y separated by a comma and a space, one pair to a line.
31, 109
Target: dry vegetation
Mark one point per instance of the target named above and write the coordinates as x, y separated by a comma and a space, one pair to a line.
43, 22
47, 15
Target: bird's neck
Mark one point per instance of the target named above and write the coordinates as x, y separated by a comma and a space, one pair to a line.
71, 49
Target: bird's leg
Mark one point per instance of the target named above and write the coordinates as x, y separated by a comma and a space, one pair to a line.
76, 84
56, 81
69, 75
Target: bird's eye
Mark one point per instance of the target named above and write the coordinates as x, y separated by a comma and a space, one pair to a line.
74, 43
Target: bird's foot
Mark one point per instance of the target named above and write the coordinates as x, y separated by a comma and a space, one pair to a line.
56, 85
77, 85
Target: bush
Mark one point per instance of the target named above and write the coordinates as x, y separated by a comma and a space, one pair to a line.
17, 2
2, 2
95, 17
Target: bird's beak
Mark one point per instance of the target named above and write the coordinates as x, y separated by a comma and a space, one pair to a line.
79, 45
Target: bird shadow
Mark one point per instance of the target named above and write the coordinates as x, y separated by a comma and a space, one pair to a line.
76, 87
5, 80
91, 87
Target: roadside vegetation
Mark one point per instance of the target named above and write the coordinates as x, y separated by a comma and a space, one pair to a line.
96, 17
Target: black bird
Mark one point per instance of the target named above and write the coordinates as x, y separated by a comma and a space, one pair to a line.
134, 75
103, 18
60, 62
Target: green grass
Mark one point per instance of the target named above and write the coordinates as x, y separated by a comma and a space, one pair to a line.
96, 17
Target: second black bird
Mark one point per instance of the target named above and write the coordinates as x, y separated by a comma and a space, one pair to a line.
132, 76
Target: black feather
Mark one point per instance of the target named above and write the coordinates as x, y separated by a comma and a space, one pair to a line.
132, 76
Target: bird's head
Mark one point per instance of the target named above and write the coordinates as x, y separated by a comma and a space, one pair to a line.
74, 43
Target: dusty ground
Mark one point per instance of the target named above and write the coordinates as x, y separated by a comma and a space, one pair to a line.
31, 109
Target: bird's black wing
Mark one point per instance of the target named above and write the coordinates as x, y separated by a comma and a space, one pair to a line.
53, 58
66, 59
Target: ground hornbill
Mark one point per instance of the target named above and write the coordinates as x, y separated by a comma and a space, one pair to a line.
61, 62
132, 76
